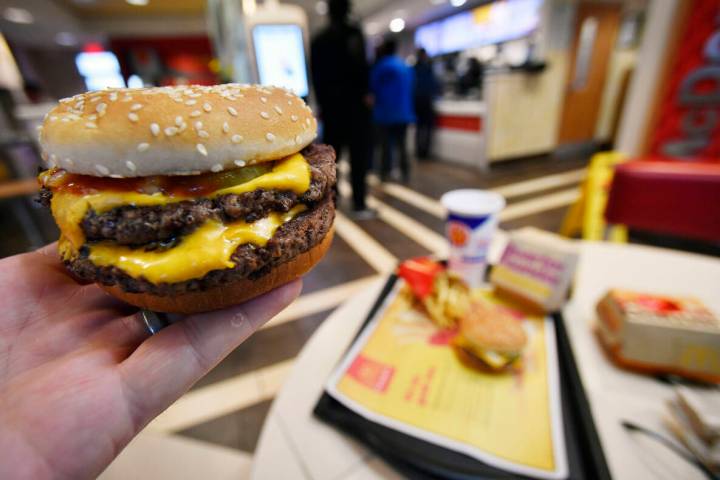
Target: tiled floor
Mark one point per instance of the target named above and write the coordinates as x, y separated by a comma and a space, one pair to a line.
229, 405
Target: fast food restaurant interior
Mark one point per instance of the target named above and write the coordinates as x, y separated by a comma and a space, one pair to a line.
524, 274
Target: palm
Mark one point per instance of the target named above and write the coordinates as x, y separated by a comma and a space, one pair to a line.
79, 376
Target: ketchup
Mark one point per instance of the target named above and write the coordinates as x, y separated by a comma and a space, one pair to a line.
176, 186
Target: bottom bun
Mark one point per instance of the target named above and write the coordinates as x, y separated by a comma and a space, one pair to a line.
229, 294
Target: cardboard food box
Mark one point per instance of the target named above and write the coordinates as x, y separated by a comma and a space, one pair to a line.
660, 334
536, 269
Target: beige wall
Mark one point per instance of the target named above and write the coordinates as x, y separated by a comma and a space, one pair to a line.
620, 62
523, 110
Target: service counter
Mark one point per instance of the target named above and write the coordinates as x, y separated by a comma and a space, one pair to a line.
460, 132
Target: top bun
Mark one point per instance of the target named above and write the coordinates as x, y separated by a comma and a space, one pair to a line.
180, 130
488, 327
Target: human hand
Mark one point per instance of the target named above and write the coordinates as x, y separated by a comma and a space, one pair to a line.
79, 374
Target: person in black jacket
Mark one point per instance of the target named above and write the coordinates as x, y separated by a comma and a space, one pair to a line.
427, 88
340, 76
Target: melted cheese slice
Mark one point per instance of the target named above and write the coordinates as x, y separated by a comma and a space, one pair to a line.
206, 249
291, 173
494, 359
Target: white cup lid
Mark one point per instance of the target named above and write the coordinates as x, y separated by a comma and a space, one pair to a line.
472, 202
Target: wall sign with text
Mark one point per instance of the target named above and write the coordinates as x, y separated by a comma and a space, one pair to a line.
687, 122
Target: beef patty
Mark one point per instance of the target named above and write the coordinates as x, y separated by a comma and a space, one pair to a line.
290, 240
136, 226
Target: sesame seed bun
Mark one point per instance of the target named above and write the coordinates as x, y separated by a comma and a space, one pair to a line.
488, 327
174, 130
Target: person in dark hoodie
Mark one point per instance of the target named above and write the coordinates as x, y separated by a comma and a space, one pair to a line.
427, 88
340, 75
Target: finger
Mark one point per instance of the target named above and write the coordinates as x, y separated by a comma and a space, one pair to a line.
169, 363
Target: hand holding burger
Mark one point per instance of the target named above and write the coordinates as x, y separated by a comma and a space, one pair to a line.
188, 199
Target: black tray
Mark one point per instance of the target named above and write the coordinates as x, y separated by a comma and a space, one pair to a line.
416, 458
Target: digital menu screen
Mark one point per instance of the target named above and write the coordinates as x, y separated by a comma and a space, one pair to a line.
280, 57
496, 22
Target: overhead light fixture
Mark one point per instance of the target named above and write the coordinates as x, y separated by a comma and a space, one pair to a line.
397, 25
138, 3
249, 7
457, 3
321, 7
18, 15
66, 39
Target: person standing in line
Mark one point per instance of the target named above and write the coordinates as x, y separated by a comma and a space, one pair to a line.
391, 82
340, 75
427, 89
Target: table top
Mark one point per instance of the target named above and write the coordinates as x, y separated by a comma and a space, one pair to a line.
294, 444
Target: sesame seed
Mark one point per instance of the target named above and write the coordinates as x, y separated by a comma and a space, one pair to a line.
195, 113
269, 137
130, 165
178, 99
207, 107
101, 107
65, 119
263, 99
201, 148
178, 120
232, 111
294, 118
190, 102
216, 168
92, 117
133, 117
239, 163
265, 115
170, 131
143, 147
236, 138
289, 102
203, 134
53, 158
93, 99
307, 120
278, 109
113, 96
102, 169
198, 125
53, 118
226, 127
90, 125
68, 161
136, 106
155, 129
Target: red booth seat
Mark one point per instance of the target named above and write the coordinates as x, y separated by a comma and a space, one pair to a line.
680, 198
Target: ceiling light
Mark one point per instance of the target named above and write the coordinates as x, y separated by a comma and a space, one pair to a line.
457, 3
249, 7
138, 3
66, 39
18, 15
397, 25
321, 7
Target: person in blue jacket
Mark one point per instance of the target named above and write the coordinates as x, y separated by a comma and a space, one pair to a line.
391, 82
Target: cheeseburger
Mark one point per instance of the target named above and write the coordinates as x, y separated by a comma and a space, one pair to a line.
187, 199
489, 339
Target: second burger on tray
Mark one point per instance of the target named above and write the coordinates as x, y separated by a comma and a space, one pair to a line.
186, 199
